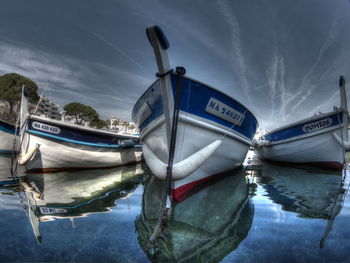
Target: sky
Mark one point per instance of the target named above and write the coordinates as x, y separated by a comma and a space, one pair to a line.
280, 58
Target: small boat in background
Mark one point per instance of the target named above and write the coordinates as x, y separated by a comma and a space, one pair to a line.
190, 132
320, 140
8, 133
49, 145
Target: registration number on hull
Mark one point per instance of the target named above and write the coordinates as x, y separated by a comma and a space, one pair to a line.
224, 112
47, 128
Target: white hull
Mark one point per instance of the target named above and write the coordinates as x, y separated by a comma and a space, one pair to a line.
58, 155
191, 137
321, 149
6, 142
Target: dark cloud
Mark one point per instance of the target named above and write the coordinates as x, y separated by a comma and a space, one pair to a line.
280, 58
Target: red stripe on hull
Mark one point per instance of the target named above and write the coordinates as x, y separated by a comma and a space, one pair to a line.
181, 193
62, 169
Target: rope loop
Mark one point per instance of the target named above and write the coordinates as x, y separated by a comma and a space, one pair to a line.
159, 75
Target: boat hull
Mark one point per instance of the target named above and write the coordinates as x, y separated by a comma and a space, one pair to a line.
200, 123
72, 147
191, 138
7, 134
322, 150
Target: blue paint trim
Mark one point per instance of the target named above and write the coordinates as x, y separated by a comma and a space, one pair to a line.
297, 130
194, 100
149, 106
72, 141
76, 134
8, 128
5, 151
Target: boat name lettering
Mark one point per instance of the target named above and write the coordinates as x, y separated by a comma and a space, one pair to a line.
47, 128
52, 210
317, 125
225, 112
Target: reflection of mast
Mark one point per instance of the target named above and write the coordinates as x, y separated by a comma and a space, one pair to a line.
336, 208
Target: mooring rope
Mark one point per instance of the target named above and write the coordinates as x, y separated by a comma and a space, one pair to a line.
341, 136
180, 71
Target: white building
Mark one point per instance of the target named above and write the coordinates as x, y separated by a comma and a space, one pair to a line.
48, 108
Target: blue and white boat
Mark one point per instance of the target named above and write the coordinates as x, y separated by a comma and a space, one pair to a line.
190, 131
51, 145
320, 140
7, 133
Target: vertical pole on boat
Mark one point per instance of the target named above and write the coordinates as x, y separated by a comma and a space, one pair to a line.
344, 107
23, 120
160, 45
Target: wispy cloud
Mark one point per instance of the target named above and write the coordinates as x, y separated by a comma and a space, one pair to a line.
238, 60
119, 50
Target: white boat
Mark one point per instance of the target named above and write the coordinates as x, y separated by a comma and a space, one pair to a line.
8, 133
320, 140
190, 132
205, 227
51, 145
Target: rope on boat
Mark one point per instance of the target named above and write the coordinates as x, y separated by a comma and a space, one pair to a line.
165, 203
342, 139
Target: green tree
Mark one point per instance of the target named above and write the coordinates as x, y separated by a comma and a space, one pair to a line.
11, 88
80, 112
99, 124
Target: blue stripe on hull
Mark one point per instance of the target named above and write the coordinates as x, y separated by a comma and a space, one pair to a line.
195, 98
73, 135
8, 128
149, 107
75, 141
306, 127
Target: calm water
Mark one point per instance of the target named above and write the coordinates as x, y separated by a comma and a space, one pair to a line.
263, 213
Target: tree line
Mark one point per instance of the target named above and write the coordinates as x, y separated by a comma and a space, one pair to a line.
11, 89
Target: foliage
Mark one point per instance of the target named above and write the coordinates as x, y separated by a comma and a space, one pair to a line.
11, 89
81, 112
99, 124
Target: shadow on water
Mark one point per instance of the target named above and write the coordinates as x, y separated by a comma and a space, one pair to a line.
204, 227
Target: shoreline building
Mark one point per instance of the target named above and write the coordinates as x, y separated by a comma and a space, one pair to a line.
47, 108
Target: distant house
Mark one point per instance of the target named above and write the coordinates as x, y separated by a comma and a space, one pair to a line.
47, 108
122, 126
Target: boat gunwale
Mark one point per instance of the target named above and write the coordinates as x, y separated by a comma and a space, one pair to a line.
303, 136
78, 127
291, 125
204, 84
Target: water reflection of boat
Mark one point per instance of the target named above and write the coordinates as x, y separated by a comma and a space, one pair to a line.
204, 227
6, 178
76, 194
309, 193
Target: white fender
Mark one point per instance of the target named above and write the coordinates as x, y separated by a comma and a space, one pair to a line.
183, 168
23, 159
